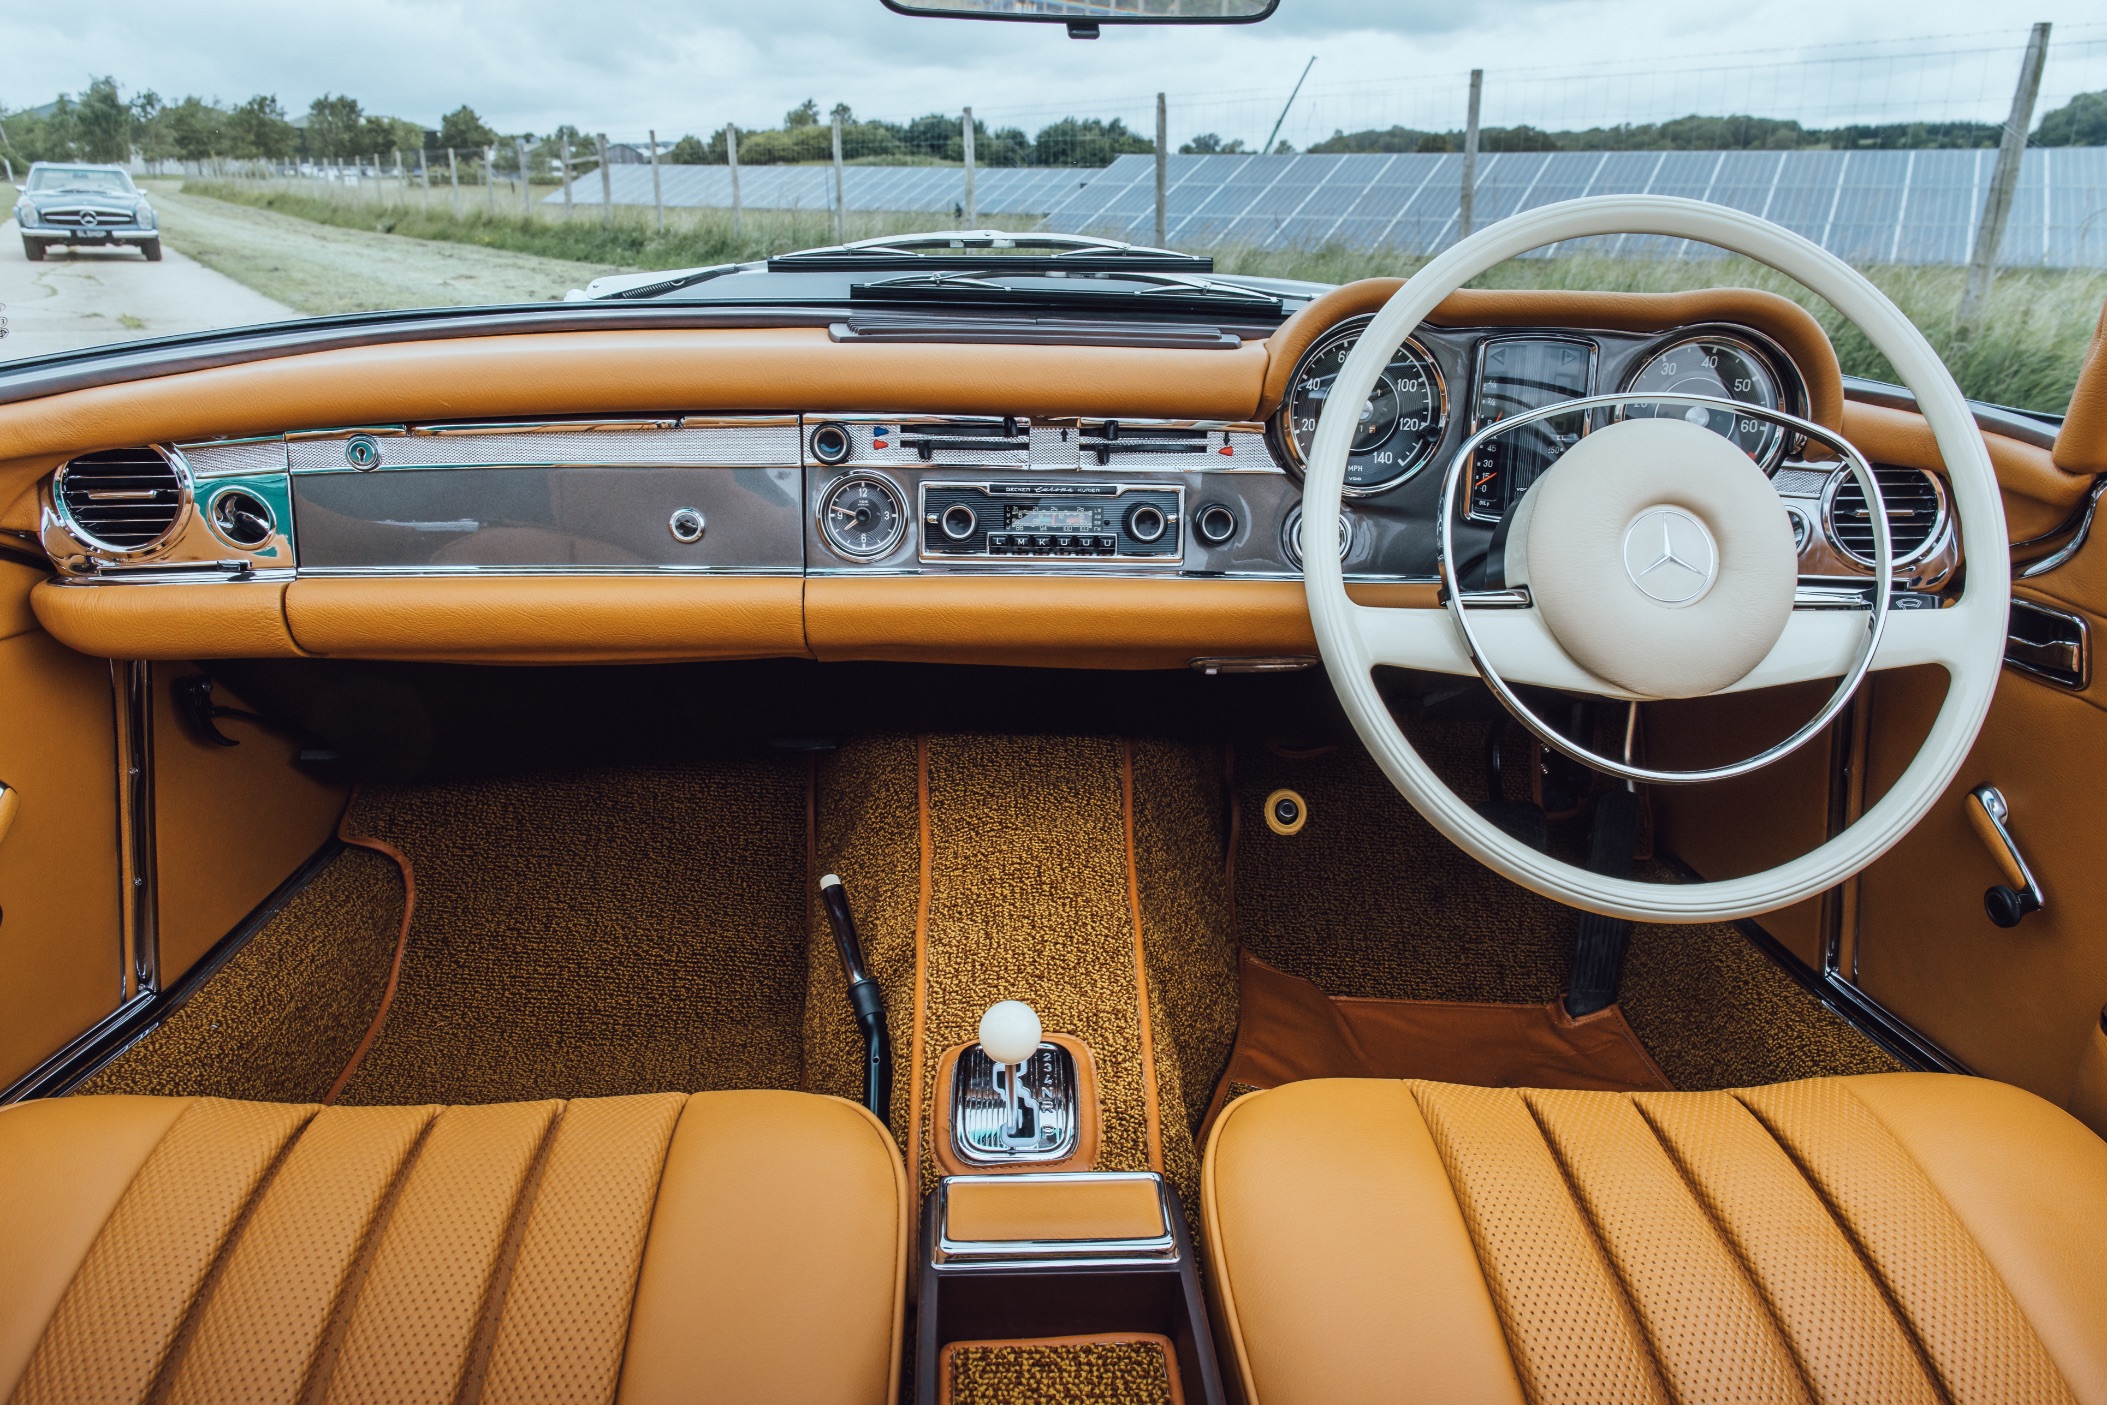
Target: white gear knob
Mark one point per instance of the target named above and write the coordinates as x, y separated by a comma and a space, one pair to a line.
1009, 1032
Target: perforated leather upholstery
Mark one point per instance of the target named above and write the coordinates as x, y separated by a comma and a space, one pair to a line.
1904, 1237
720, 1246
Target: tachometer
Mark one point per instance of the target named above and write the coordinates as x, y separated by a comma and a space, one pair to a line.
1722, 367
1400, 425
861, 517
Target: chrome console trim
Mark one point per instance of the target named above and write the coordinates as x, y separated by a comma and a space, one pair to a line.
133, 685
981, 1099
1156, 1249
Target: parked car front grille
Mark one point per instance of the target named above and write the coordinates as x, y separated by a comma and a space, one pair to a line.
80, 219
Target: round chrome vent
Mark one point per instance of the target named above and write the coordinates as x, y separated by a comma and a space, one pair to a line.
1916, 508
240, 518
125, 501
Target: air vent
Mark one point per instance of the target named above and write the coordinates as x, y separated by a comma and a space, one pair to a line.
1916, 511
242, 518
122, 500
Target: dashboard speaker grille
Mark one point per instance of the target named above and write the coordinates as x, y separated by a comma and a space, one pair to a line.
123, 499
1916, 510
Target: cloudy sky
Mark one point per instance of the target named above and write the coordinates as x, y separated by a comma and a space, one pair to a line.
690, 65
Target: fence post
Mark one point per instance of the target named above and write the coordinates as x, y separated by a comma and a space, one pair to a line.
972, 204
567, 209
490, 177
731, 153
1467, 209
841, 211
2004, 180
453, 176
424, 177
607, 186
526, 187
658, 196
1163, 167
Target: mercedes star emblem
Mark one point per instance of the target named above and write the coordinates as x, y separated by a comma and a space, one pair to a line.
90, 219
1670, 556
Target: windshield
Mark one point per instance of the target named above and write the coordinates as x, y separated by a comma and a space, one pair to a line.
712, 155
74, 178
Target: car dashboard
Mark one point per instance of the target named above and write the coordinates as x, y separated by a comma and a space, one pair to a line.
1049, 498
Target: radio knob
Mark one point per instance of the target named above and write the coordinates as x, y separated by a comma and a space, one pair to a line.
958, 522
1215, 523
1146, 522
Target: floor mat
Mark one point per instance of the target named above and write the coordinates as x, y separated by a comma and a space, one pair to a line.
1292, 1030
596, 934
280, 1020
984, 868
1115, 1369
1370, 901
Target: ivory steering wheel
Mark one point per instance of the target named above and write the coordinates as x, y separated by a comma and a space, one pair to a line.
1580, 544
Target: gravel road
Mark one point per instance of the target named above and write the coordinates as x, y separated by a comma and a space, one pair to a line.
93, 296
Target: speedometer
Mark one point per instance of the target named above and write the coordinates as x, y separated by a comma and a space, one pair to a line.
1399, 426
1722, 368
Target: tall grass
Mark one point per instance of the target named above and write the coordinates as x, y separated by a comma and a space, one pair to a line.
692, 238
2026, 353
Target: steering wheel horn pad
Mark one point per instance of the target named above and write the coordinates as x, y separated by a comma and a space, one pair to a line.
1660, 557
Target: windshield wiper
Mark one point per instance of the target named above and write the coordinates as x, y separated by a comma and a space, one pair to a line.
1166, 290
990, 249
685, 279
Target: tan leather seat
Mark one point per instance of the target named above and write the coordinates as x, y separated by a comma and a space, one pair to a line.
725, 1246
1902, 1237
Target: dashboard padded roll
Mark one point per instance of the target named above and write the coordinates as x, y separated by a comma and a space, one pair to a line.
549, 619
216, 620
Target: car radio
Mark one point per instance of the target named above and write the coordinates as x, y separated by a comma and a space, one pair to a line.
1068, 521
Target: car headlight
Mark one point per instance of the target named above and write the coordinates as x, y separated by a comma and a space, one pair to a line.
146, 215
25, 214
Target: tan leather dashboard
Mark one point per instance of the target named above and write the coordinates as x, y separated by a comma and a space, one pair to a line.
1027, 619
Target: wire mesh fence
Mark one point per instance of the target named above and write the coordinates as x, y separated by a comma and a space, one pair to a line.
1882, 152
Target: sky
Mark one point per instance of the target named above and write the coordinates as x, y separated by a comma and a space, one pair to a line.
677, 66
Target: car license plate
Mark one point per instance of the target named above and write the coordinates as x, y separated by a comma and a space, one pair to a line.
87, 234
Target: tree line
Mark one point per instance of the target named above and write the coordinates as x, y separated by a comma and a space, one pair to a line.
2080, 122
101, 124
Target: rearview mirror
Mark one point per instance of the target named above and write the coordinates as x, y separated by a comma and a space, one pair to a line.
1084, 16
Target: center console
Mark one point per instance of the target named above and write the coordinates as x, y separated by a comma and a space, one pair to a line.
1030, 1253
1091, 1259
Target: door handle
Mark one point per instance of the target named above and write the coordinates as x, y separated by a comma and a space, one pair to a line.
2019, 894
10, 806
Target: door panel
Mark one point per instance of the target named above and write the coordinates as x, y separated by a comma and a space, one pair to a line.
61, 935
2019, 1004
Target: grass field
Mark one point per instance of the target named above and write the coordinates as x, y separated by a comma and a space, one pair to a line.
2026, 354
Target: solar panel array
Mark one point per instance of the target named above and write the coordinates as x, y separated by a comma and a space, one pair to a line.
1910, 207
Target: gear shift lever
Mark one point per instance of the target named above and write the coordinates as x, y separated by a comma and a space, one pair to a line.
1009, 1036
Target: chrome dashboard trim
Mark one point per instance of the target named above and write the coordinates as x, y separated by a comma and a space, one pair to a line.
758, 441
